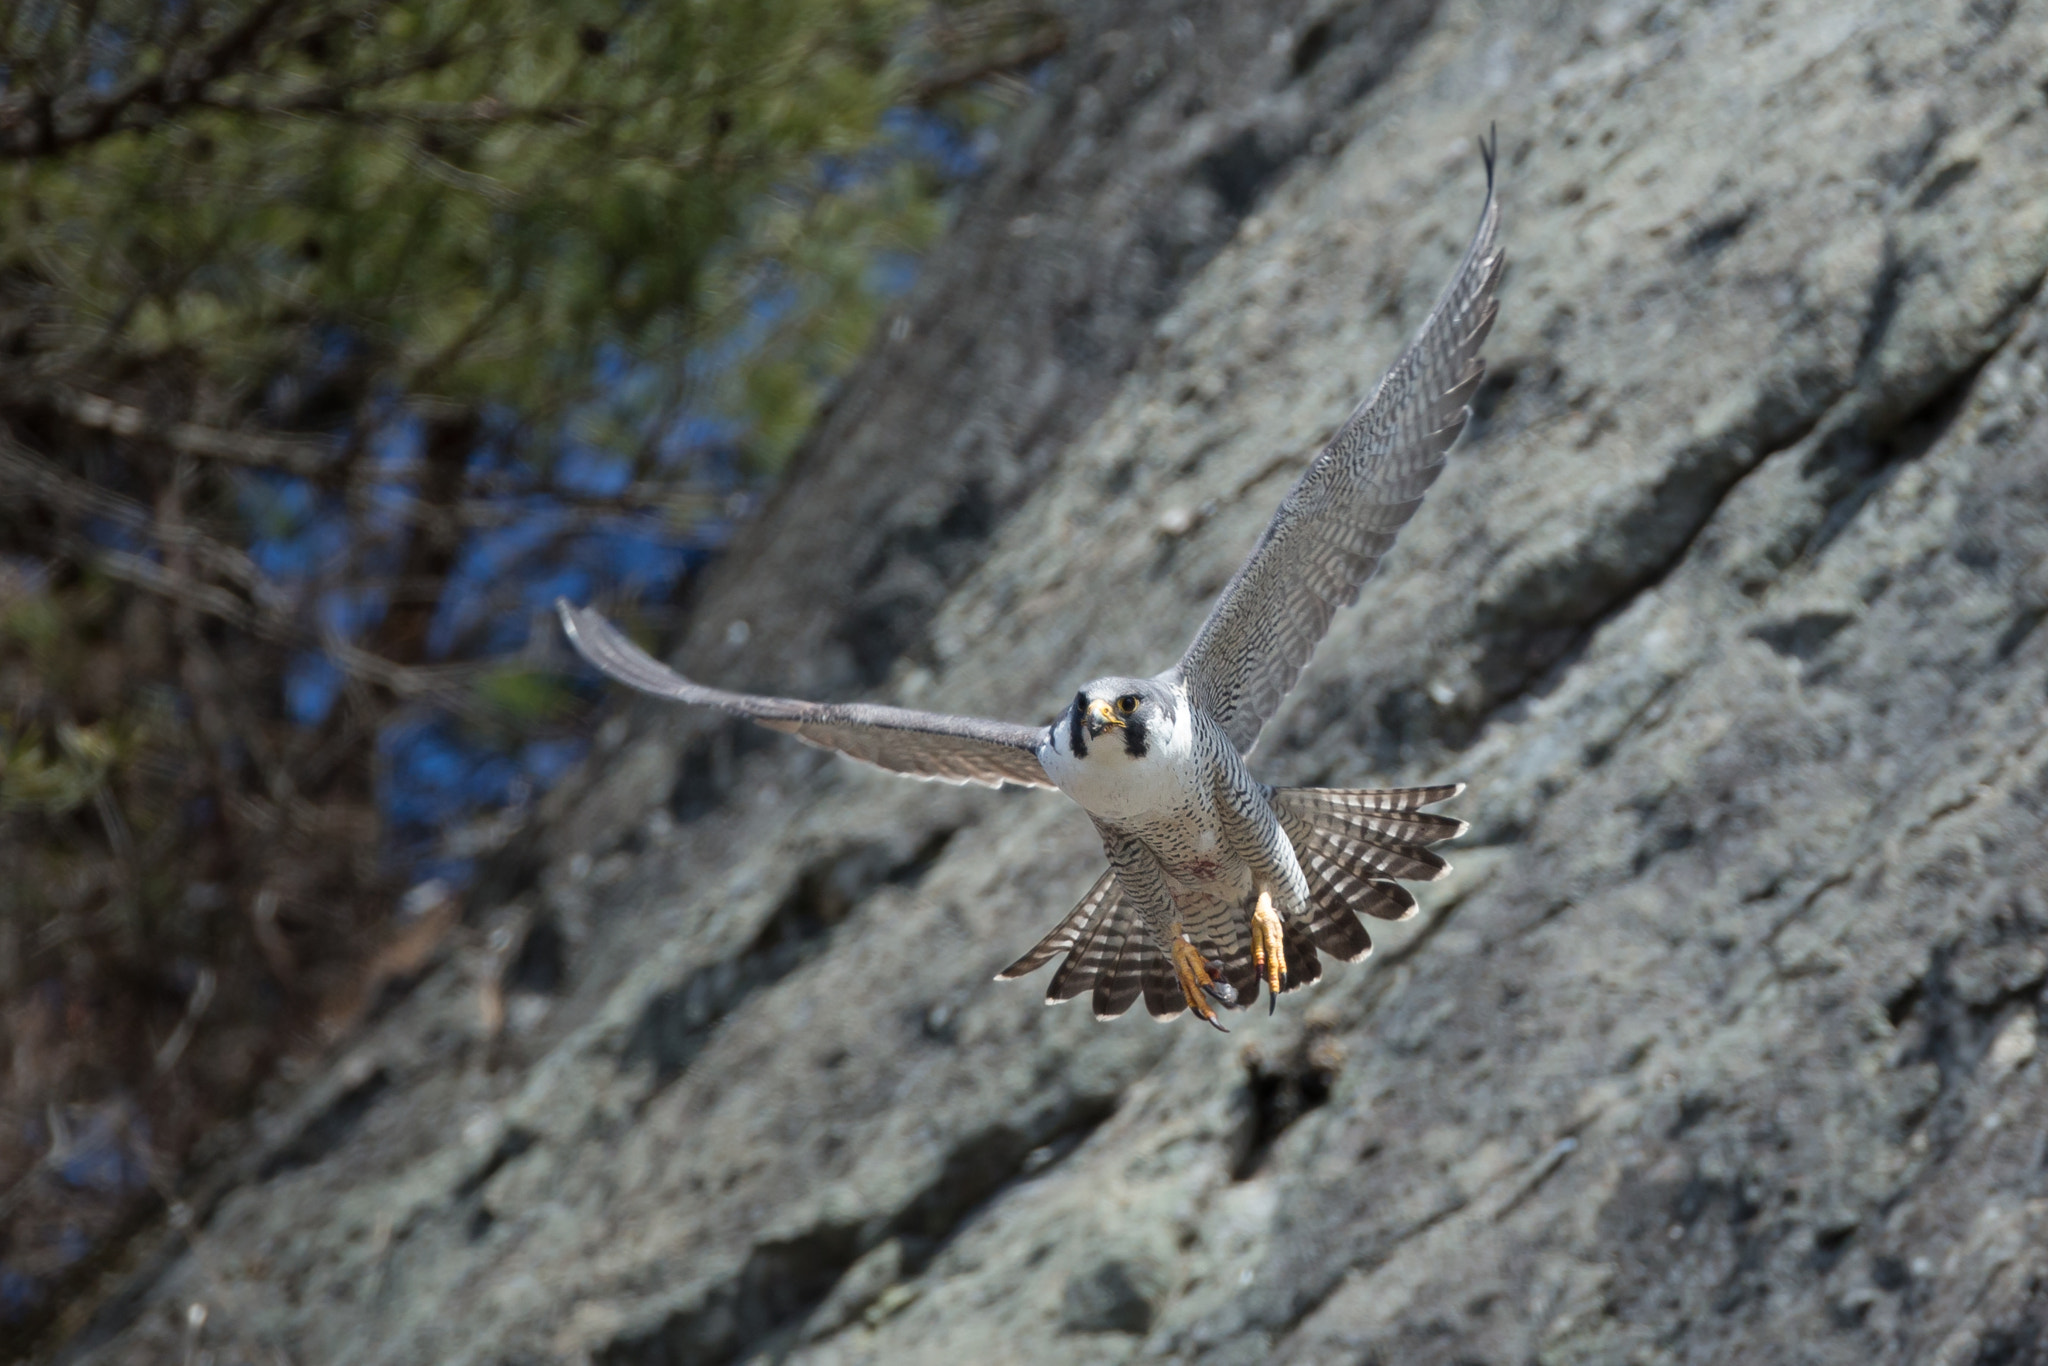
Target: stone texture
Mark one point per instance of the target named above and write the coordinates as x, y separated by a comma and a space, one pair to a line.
1721, 1042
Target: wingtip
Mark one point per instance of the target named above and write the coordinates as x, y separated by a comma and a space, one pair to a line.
1489, 151
566, 611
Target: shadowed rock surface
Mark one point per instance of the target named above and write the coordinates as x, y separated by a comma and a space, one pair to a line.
1719, 1045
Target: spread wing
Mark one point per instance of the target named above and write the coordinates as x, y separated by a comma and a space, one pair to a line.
920, 744
1344, 512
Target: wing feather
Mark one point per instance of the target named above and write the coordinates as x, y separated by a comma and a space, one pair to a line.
1343, 514
918, 744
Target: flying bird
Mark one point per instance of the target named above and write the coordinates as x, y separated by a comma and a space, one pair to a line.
1216, 882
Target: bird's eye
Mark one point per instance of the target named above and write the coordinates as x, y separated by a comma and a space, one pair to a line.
1128, 703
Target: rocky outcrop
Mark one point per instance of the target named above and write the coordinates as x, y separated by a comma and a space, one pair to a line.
1719, 1044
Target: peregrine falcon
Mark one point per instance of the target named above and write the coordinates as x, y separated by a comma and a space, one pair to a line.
1216, 882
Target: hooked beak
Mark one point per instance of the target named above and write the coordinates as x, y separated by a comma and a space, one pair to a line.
1101, 717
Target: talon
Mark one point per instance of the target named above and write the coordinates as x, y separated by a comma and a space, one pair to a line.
1267, 949
1197, 982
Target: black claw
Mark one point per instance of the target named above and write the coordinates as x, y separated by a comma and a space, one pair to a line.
1272, 1002
1214, 1021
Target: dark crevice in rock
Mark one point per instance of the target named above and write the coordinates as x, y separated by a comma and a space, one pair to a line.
512, 1144
1884, 303
982, 1163
1516, 384
1534, 632
710, 765
678, 1022
1803, 636
888, 623
1527, 652
1857, 461
1312, 46
759, 1311
1115, 1295
541, 965
1709, 238
1239, 171
1692, 1108
2023, 1341
2023, 625
1279, 1091
1898, 166
1944, 180
1830, 1245
755, 1312
1952, 1012
1303, 1295
329, 1128
1954, 1031
507, 872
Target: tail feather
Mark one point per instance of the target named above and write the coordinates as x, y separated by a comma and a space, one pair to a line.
1076, 923
1093, 952
1162, 989
1392, 813
1373, 856
1119, 984
1352, 843
1333, 921
1303, 967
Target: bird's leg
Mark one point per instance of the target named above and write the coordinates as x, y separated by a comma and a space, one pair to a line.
1267, 950
1197, 983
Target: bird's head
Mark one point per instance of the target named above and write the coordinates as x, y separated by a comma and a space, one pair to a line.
1122, 716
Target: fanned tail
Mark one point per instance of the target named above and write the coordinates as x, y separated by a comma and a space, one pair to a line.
1109, 953
1352, 844
1076, 925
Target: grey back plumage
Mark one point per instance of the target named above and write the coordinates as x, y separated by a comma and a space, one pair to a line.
1343, 514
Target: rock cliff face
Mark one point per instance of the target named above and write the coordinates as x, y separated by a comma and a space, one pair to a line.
1719, 1045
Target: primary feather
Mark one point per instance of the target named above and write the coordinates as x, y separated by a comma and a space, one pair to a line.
917, 744
1343, 514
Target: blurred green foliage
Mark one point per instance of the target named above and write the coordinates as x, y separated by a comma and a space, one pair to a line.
477, 193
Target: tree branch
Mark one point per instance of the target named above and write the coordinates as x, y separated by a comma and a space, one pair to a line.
34, 126
1046, 40
308, 459
24, 470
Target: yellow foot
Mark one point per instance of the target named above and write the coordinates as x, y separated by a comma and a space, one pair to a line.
1197, 983
1267, 950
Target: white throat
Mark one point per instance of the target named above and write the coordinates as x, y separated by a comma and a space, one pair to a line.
1112, 784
